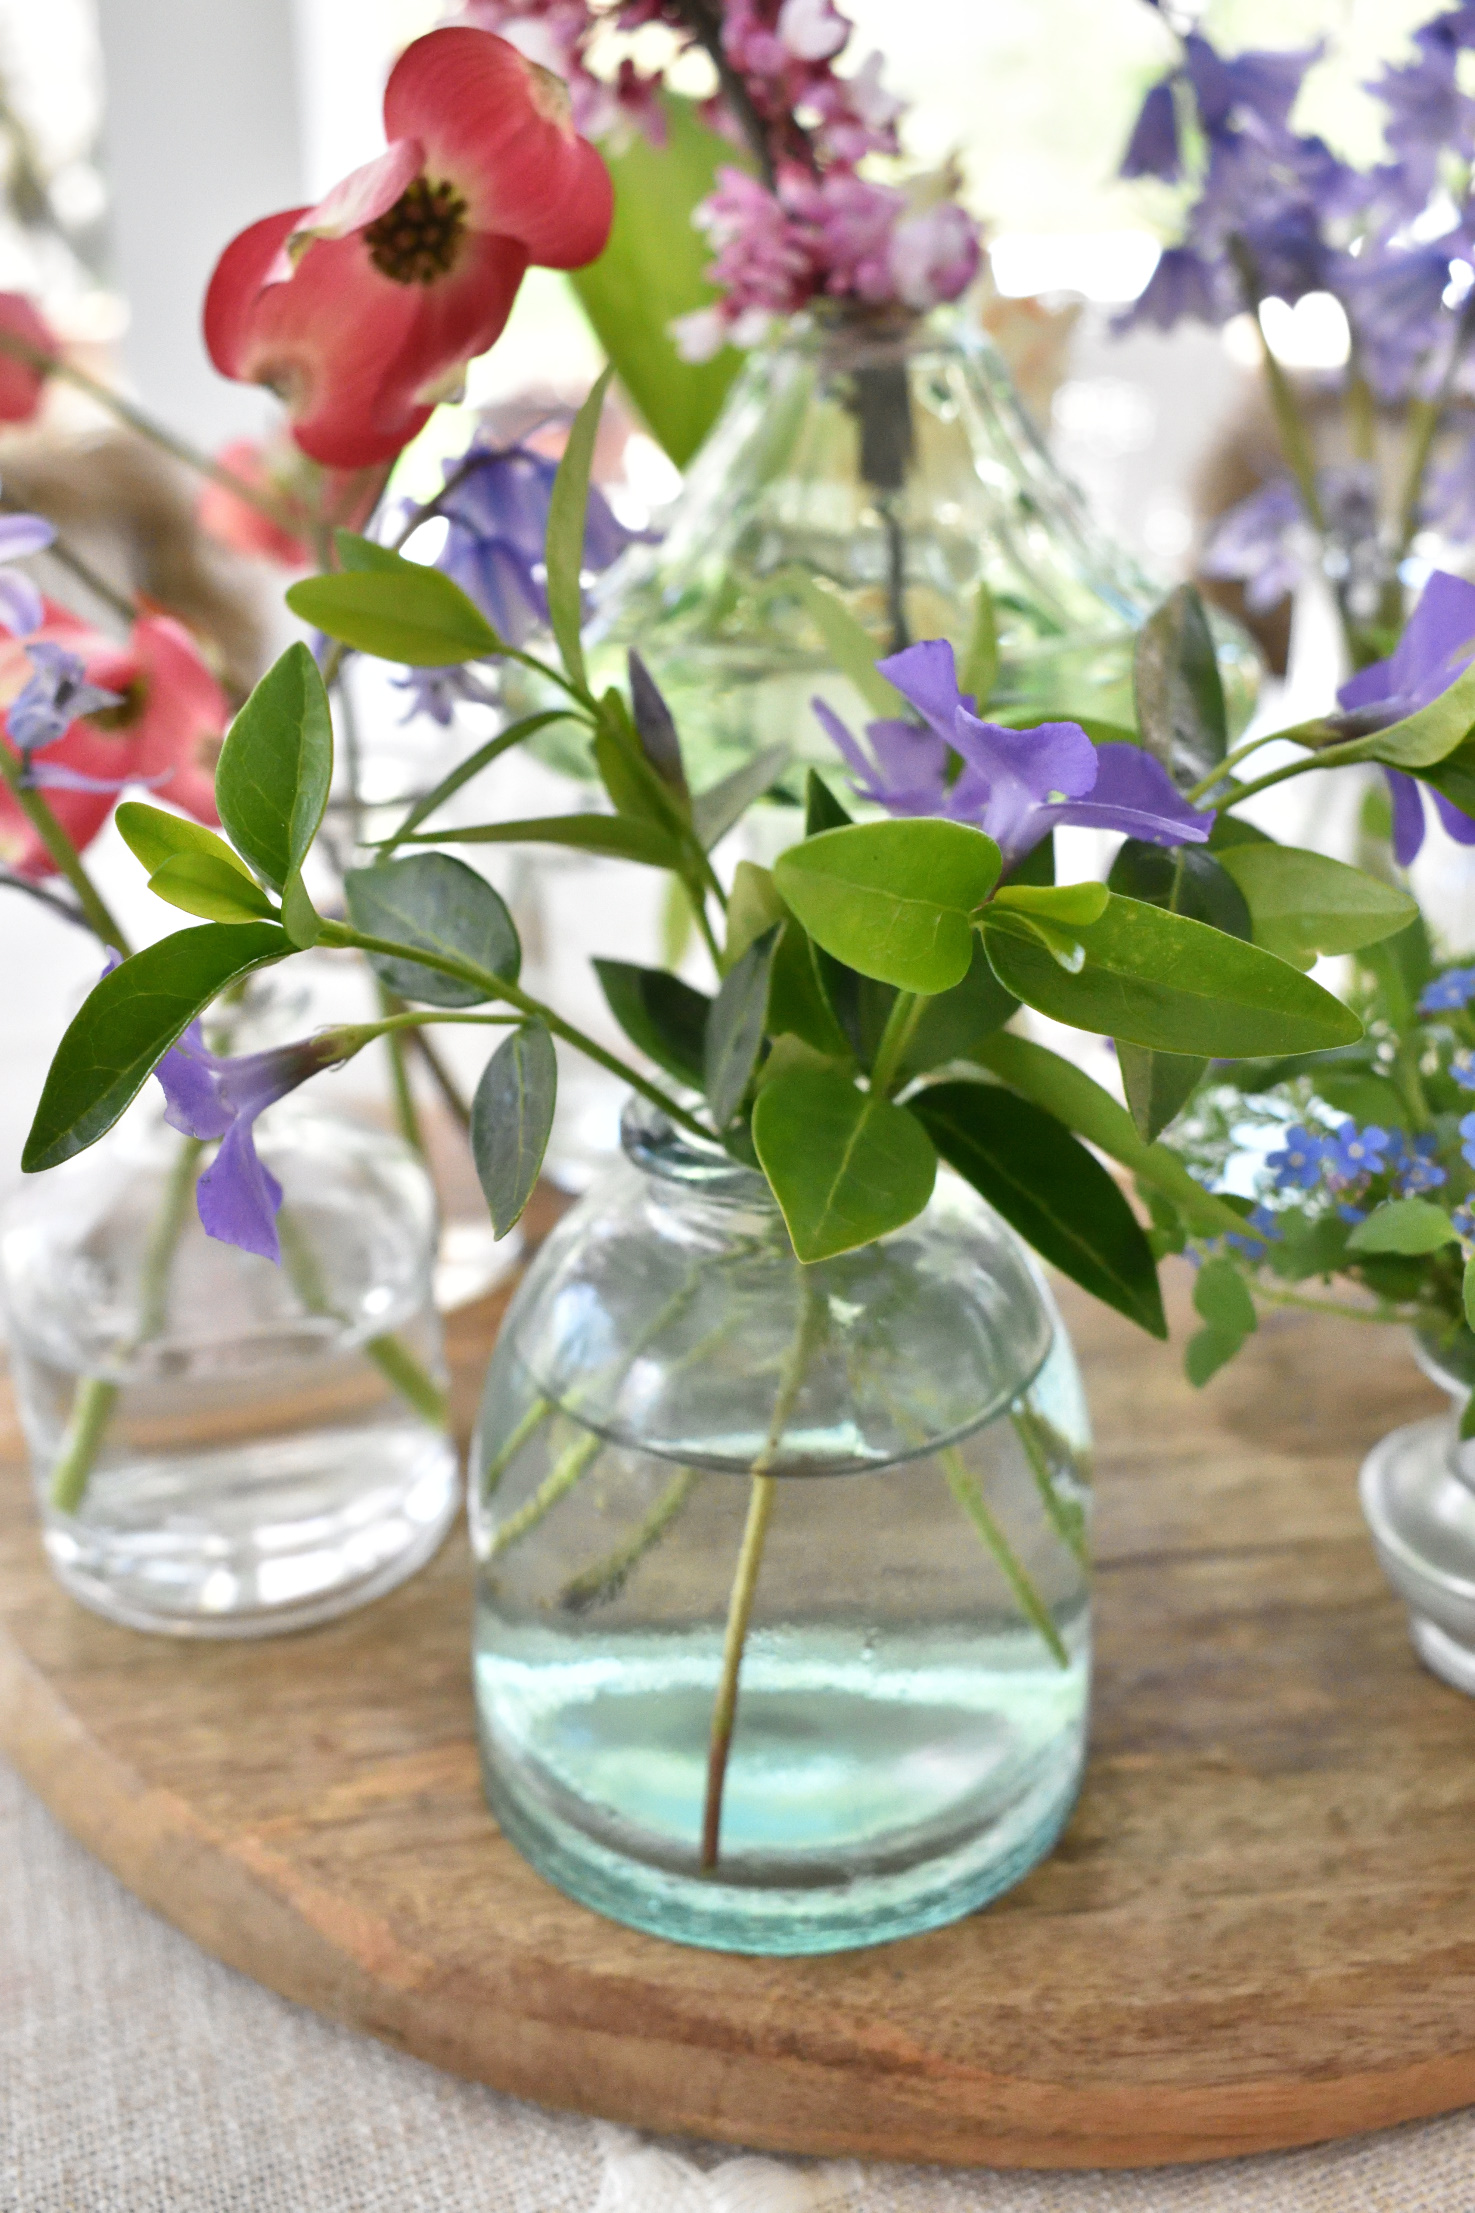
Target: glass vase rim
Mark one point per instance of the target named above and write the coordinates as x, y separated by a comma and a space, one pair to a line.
889, 327
660, 1148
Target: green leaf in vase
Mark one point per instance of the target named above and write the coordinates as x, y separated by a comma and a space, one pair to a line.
661, 1015
567, 506
438, 904
845, 1166
894, 900
735, 1027
1180, 698
408, 612
511, 1116
1302, 903
272, 779
1182, 880
220, 891
127, 1023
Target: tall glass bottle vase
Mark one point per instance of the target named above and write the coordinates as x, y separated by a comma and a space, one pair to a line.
783, 1613
886, 459
221, 1446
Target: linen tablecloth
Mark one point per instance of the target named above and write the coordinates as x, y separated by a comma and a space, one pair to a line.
139, 2076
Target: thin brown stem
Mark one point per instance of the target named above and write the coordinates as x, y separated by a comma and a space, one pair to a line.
64, 855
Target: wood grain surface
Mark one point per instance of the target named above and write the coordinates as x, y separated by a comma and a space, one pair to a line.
1258, 1931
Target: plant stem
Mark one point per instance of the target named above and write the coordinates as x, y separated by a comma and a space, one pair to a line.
92, 1410
1065, 1515
1333, 1306
1197, 793
399, 1075
608, 1577
813, 1318
1425, 419
969, 1495
500, 987
399, 1367
555, 1485
907, 1009
532, 1421
63, 854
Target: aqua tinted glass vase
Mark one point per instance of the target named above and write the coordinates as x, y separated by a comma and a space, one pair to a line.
911, 1702
887, 460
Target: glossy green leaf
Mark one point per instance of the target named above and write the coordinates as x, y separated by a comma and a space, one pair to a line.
1158, 1086
661, 1015
410, 613
1076, 1099
954, 1024
653, 270
472, 766
1183, 879
1207, 1351
893, 900
567, 507
1065, 904
439, 905
845, 1166
822, 810
1303, 904
798, 999
753, 905
716, 810
299, 918
128, 1022
511, 1116
1049, 1188
1164, 981
1180, 699
735, 1027
615, 835
1221, 1297
154, 837
980, 667
219, 890
1404, 1226
272, 779
357, 552
850, 646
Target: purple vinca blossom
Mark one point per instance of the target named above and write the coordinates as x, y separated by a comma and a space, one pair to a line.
54, 697
1256, 88
211, 1097
21, 610
1152, 149
1437, 645
1016, 785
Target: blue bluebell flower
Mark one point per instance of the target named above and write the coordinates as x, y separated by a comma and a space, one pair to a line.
1298, 1164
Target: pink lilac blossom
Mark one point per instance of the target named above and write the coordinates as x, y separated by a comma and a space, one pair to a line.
819, 229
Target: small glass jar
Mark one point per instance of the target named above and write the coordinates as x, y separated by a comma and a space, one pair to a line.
1417, 1488
907, 1423
221, 1446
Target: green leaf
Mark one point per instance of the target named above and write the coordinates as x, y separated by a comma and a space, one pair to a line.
203, 884
271, 782
798, 1001
822, 810
410, 613
1424, 738
440, 905
845, 1166
653, 269
128, 1022
715, 810
154, 837
567, 509
955, 1023
1404, 1226
1221, 1297
1303, 904
1066, 904
735, 1027
616, 835
1468, 1298
1074, 1098
473, 765
1164, 981
980, 670
1049, 1188
1207, 1351
1180, 699
893, 900
660, 1014
655, 726
753, 906
511, 1116
300, 918
358, 552
1158, 1086
851, 647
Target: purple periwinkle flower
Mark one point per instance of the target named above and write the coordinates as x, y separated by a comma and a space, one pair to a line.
1152, 149
212, 1097
1449, 992
1437, 646
21, 610
55, 696
1015, 785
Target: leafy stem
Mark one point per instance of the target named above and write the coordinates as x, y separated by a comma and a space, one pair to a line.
907, 1009
63, 854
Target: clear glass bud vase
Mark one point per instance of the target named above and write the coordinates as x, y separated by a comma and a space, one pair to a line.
1418, 1498
885, 459
782, 1625
221, 1446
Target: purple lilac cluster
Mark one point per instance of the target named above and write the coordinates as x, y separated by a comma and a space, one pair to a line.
1278, 214
1345, 1161
813, 227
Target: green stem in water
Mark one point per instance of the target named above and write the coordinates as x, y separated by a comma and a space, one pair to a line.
64, 854
92, 1408
608, 1577
554, 1486
532, 1421
969, 1495
1335, 1306
398, 1366
405, 1114
813, 1320
1065, 1515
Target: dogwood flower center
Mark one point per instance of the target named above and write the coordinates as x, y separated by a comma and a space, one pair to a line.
416, 241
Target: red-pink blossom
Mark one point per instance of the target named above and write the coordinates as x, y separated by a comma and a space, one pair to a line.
166, 732
363, 311
20, 382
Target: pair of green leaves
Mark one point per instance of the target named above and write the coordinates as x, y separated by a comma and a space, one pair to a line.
710, 1044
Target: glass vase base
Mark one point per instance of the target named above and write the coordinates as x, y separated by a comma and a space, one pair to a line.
1421, 1514
316, 1558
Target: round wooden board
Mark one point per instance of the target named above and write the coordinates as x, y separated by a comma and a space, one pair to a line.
1258, 1931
